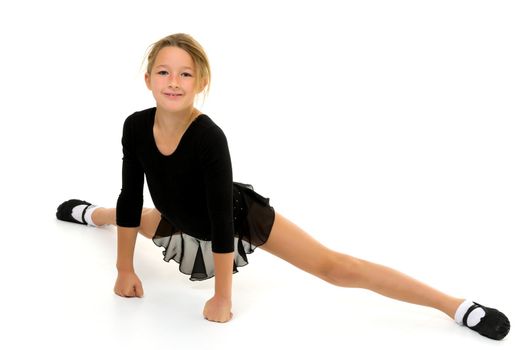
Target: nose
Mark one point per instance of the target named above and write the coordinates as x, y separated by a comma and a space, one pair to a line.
173, 82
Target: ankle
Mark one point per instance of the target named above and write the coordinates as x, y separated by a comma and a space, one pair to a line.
103, 216
450, 306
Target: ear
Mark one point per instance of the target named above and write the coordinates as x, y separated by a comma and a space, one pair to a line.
202, 86
147, 79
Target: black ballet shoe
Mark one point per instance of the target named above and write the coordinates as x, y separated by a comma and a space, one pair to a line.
64, 211
494, 324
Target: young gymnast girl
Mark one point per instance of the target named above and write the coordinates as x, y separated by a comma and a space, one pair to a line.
208, 223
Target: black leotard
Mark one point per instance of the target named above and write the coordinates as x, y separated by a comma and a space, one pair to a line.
192, 187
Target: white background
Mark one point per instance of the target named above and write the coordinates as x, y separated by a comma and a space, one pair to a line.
388, 130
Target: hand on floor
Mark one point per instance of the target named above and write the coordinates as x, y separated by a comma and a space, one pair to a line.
128, 285
218, 309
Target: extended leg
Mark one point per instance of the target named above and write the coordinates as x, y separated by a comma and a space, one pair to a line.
291, 243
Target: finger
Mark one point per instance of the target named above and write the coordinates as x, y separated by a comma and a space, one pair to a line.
227, 319
223, 320
139, 291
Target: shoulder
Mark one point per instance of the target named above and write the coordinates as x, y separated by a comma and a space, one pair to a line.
211, 141
136, 126
210, 133
140, 117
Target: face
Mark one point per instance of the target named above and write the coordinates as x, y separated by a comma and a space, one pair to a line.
172, 79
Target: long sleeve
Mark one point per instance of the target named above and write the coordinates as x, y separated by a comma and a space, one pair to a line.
215, 161
130, 200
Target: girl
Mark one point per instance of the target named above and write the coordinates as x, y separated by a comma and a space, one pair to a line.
208, 223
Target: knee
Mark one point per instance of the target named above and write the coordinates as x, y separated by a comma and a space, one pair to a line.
344, 270
149, 221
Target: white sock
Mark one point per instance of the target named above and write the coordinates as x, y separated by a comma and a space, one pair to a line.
473, 318
76, 213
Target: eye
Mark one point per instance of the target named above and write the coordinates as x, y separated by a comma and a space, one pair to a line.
186, 74
162, 72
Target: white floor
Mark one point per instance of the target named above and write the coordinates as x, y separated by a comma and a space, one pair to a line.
392, 131
58, 292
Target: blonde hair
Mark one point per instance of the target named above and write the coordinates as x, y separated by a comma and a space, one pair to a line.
193, 48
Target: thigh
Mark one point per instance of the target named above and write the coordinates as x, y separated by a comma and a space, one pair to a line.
149, 222
291, 243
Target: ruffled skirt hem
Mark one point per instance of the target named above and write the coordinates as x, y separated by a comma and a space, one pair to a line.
195, 256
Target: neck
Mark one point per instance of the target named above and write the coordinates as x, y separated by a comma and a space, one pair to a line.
174, 122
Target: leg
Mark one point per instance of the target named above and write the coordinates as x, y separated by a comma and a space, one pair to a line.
148, 221
291, 243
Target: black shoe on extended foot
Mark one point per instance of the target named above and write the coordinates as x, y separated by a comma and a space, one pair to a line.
494, 324
64, 211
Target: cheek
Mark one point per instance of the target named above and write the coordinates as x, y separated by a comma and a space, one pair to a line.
156, 84
191, 85
188, 81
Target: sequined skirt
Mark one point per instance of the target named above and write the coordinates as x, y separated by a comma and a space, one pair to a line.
253, 220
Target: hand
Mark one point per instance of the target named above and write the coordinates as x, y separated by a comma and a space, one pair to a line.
218, 309
128, 285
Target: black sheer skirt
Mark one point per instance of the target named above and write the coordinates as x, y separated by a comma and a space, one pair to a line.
253, 218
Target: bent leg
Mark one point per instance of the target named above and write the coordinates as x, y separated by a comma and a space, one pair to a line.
104, 216
289, 242
148, 221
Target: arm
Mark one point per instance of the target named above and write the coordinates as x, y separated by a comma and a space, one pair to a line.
126, 236
217, 169
223, 274
129, 209
218, 308
128, 284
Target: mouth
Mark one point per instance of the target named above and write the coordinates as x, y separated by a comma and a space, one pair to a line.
172, 95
